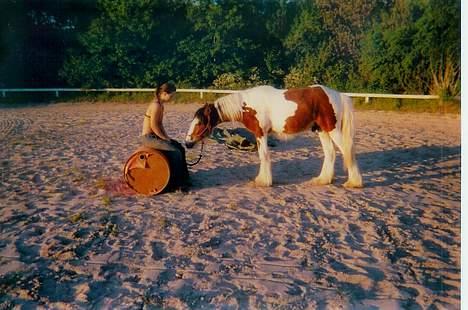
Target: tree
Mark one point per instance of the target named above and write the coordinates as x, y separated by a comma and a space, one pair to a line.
304, 44
385, 45
278, 17
130, 44
34, 36
401, 52
325, 40
226, 38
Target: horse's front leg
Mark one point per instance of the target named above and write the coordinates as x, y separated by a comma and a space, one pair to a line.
264, 177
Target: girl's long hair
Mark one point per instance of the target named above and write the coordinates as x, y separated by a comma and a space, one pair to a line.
168, 87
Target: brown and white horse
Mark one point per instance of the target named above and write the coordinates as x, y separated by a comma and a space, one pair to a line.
265, 109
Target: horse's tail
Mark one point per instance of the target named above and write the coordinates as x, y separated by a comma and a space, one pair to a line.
347, 129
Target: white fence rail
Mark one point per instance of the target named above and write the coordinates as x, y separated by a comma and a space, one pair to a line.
367, 96
4, 91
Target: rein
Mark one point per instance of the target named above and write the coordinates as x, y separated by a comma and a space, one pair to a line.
203, 143
199, 156
201, 150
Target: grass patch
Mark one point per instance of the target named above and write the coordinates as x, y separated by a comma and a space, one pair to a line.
111, 229
28, 98
75, 218
195, 97
124, 97
383, 104
100, 97
94, 97
408, 105
163, 223
101, 183
106, 201
77, 174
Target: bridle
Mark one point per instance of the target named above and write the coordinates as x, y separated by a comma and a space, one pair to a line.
201, 149
207, 127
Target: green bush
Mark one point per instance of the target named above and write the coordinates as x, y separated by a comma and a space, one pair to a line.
236, 81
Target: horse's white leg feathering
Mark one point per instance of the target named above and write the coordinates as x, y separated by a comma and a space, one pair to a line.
347, 150
264, 177
347, 145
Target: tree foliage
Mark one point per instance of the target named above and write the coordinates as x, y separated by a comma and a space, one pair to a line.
413, 39
384, 45
120, 47
34, 36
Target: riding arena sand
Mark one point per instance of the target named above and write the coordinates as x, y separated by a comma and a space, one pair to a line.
74, 236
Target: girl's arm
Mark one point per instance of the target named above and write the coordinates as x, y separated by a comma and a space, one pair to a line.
156, 122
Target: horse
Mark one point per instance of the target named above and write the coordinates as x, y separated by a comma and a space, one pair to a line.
265, 109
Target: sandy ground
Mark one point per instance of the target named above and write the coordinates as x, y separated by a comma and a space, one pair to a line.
71, 237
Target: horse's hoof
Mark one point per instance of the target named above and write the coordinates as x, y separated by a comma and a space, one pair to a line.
262, 183
350, 184
319, 181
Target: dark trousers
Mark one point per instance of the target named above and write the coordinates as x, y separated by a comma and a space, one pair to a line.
175, 153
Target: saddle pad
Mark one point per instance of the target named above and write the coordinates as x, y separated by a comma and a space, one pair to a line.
238, 138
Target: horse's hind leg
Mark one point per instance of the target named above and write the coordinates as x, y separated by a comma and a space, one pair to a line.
264, 177
347, 150
328, 167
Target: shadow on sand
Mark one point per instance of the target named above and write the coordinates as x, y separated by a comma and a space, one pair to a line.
382, 168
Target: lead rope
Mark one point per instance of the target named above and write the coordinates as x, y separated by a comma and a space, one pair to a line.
199, 156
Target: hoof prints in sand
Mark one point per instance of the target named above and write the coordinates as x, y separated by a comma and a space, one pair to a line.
14, 126
67, 241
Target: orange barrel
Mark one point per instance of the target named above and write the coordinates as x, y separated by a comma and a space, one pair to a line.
147, 171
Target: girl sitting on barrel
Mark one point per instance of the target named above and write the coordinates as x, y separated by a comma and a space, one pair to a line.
153, 134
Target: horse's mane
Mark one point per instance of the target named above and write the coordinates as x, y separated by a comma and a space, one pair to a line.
230, 106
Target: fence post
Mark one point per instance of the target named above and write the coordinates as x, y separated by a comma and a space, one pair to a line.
56, 93
201, 95
367, 100
3, 94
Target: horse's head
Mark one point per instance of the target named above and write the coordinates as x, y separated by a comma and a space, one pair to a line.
205, 119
